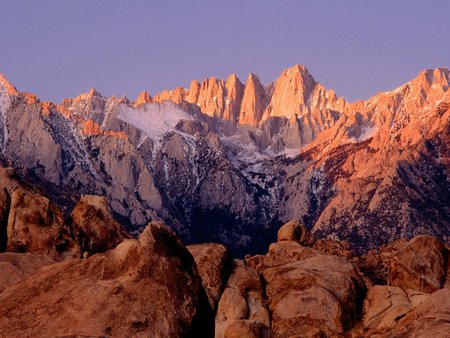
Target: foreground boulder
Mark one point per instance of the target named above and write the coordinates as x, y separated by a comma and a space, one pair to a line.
242, 311
15, 267
332, 247
295, 230
385, 305
430, 319
29, 222
308, 290
213, 264
94, 227
419, 265
147, 287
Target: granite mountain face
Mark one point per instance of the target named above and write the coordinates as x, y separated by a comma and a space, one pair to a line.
229, 162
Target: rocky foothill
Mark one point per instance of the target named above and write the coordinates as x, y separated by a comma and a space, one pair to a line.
84, 276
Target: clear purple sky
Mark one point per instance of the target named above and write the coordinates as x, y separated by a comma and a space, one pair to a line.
60, 48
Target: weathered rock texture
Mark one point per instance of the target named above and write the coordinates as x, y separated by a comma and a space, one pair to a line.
145, 287
307, 289
295, 230
242, 310
154, 286
384, 306
15, 267
30, 222
430, 319
94, 227
213, 264
419, 265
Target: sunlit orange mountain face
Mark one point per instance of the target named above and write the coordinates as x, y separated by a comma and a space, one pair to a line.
305, 215
229, 161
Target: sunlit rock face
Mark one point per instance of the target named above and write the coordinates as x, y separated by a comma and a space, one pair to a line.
228, 161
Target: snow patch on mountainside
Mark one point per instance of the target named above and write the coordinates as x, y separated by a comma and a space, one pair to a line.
154, 119
366, 133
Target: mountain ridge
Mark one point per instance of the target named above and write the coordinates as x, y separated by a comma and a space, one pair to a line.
248, 156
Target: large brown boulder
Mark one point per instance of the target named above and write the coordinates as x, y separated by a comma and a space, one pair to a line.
332, 247
94, 227
242, 311
35, 225
419, 265
15, 267
213, 264
29, 222
308, 289
280, 253
416, 264
430, 319
385, 305
147, 287
375, 264
447, 274
295, 230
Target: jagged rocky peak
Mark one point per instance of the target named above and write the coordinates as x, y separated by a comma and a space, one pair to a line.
297, 93
10, 89
253, 102
218, 98
234, 91
291, 92
178, 95
211, 96
84, 99
194, 92
294, 94
143, 98
429, 85
411, 103
438, 76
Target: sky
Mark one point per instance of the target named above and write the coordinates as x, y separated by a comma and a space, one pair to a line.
62, 48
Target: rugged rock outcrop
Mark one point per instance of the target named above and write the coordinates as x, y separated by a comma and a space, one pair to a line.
154, 286
213, 264
385, 305
147, 287
430, 319
15, 267
93, 226
308, 289
333, 247
253, 101
296, 231
143, 98
419, 265
242, 311
29, 222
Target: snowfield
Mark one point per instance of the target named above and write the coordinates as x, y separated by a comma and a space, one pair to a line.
154, 119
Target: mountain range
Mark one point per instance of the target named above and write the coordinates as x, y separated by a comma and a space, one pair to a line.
229, 162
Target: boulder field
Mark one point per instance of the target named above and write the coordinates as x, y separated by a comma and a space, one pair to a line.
103, 283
